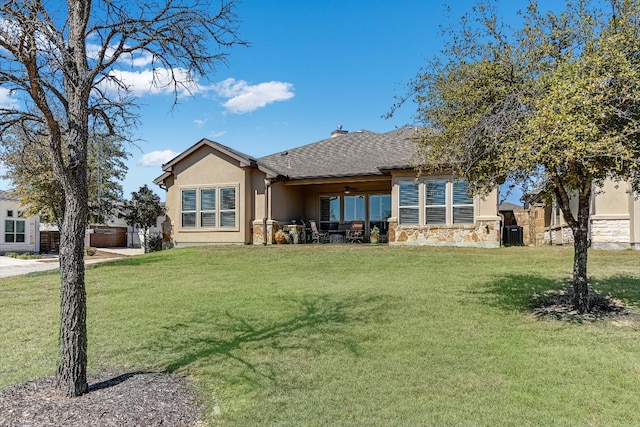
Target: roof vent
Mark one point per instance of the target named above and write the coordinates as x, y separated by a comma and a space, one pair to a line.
338, 132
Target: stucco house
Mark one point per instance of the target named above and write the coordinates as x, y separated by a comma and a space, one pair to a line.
614, 218
614, 221
19, 233
215, 194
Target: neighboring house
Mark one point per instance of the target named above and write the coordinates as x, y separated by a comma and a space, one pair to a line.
614, 221
115, 232
19, 233
216, 194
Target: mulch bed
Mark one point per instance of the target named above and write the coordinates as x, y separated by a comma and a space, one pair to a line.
558, 305
133, 399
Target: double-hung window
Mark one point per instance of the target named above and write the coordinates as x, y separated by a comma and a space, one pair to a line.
434, 201
227, 207
210, 207
14, 229
435, 195
188, 208
409, 202
462, 206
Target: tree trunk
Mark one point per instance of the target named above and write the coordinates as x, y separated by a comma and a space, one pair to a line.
580, 283
72, 363
580, 227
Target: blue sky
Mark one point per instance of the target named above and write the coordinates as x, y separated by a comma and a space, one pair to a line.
312, 65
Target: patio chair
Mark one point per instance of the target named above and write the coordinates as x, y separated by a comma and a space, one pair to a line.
355, 233
318, 236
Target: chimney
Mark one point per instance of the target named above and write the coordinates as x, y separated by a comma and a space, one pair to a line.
338, 132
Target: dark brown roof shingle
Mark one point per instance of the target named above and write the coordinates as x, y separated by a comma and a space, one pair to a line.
361, 153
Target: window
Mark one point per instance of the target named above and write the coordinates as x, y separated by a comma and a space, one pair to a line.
379, 211
227, 207
188, 208
354, 208
435, 196
212, 207
14, 231
329, 212
208, 207
462, 203
444, 202
409, 209
379, 207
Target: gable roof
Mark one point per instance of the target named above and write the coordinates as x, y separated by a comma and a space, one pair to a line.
361, 153
244, 159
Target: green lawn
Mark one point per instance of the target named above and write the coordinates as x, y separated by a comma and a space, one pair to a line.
317, 335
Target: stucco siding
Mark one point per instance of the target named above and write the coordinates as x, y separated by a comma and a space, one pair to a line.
207, 168
31, 228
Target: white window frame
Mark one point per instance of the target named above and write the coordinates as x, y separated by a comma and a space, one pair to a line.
184, 211
218, 209
438, 206
221, 210
15, 231
422, 203
455, 205
415, 207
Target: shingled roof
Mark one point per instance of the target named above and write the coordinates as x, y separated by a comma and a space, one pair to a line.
7, 195
361, 153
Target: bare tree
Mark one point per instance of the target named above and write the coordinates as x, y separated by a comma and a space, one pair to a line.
60, 62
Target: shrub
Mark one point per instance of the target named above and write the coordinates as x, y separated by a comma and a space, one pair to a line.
90, 250
155, 243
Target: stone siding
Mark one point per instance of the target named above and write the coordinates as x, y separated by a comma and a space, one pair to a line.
610, 233
559, 236
481, 234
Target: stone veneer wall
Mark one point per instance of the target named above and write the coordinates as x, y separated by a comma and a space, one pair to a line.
605, 234
482, 234
258, 232
523, 219
559, 235
532, 221
610, 233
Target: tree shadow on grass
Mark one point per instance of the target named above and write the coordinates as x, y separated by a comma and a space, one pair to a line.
317, 324
609, 298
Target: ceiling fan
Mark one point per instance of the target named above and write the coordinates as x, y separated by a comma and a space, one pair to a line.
349, 190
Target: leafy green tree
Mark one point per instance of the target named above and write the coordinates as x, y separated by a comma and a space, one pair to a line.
553, 104
28, 167
61, 62
143, 211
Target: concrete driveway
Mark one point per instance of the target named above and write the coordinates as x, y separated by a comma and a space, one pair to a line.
16, 267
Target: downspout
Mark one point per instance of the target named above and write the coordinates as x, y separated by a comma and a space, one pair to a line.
500, 232
267, 187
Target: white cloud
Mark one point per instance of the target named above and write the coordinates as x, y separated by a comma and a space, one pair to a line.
215, 134
200, 122
6, 100
244, 98
154, 82
157, 158
239, 96
136, 59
